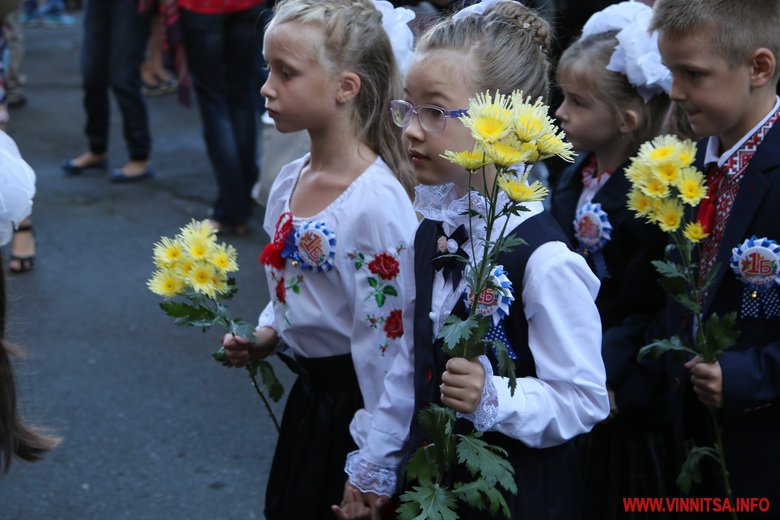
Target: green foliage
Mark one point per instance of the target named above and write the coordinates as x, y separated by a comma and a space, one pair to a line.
690, 471
189, 315
720, 333
456, 331
431, 502
510, 243
660, 346
270, 381
480, 495
669, 269
486, 460
506, 367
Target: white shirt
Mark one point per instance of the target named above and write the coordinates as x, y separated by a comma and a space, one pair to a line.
17, 188
349, 308
568, 396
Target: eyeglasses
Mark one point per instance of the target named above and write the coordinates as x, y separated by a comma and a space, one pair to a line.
431, 117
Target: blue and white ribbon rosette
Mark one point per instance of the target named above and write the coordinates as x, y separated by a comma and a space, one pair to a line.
593, 230
316, 246
756, 262
494, 301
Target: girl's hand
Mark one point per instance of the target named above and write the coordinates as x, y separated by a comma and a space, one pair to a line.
707, 379
359, 506
462, 384
240, 352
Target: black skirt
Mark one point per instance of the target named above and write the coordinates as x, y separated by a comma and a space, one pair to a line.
307, 474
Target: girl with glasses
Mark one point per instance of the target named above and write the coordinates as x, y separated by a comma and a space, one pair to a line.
552, 325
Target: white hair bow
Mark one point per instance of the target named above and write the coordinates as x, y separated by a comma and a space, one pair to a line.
395, 22
636, 55
478, 8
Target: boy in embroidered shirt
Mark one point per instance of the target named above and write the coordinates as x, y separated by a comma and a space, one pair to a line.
723, 58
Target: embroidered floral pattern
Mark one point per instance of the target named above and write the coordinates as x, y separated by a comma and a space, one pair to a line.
384, 268
293, 284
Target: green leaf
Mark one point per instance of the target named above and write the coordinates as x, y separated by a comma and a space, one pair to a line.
270, 381
389, 290
688, 302
380, 298
659, 346
481, 495
454, 331
506, 367
189, 315
231, 290
690, 471
673, 286
243, 329
510, 243
296, 289
720, 333
423, 466
669, 269
487, 460
433, 503
372, 281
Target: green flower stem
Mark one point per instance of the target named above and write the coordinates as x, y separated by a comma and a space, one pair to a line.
262, 396
722, 458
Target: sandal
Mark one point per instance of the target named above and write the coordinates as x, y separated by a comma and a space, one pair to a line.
24, 263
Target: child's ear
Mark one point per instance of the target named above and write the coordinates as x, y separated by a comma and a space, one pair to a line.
349, 86
629, 121
762, 67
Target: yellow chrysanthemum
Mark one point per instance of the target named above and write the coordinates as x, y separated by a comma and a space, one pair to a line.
531, 121
199, 229
166, 283
489, 118
203, 278
691, 186
198, 247
224, 258
470, 161
640, 203
655, 187
686, 152
184, 266
694, 232
668, 215
554, 144
167, 252
638, 172
506, 153
662, 149
668, 171
519, 191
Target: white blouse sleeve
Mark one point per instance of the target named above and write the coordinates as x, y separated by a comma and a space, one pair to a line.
568, 396
381, 291
17, 188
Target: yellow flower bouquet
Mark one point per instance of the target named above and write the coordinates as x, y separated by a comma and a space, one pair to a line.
511, 135
663, 183
195, 268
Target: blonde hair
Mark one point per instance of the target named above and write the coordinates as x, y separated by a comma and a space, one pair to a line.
737, 28
586, 62
355, 41
508, 45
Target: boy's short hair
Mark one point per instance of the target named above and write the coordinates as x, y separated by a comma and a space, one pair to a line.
739, 27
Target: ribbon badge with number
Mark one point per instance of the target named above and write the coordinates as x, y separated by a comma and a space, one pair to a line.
756, 262
316, 246
593, 230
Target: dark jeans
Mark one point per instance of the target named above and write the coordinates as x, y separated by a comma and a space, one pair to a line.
221, 52
115, 37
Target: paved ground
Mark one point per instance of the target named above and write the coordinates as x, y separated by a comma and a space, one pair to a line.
152, 428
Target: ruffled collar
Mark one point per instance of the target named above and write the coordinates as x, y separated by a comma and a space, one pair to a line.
442, 203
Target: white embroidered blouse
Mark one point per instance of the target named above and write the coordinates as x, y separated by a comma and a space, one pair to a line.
568, 396
344, 292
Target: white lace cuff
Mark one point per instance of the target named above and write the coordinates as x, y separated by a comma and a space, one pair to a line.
485, 415
369, 477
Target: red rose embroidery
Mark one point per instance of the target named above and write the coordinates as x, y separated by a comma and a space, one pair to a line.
281, 291
385, 266
394, 325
